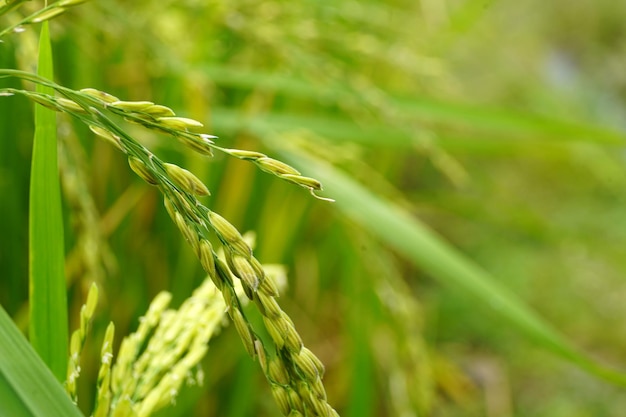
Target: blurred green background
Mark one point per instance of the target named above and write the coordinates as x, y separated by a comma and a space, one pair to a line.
498, 124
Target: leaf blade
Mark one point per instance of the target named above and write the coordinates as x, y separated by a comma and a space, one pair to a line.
48, 300
425, 249
26, 385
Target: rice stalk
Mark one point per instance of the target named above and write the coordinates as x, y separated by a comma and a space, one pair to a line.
77, 342
42, 15
195, 221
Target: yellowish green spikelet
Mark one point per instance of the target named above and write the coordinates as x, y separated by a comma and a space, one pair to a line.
245, 155
277, 373
131, 345
241, 268
108, 136
131, 106
70, 105
169, 207
142, 170
277, 168
179, 123
44, 100
100, 95
205, 253
306, 366
44, 15
200, 143
225, 230
179, 201
267, 304
103, 396
281, 397
158, 110
229, 235
77, 342
151, 369
269, 286
297, 406
187, 230
319, 366
241, 324
306, 182
186, 180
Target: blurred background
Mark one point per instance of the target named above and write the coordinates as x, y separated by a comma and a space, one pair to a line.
497, 124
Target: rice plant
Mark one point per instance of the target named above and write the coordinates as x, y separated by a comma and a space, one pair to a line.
459, 260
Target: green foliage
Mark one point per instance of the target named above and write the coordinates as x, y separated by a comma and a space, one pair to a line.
415, 241
47, 297
27, 387
477, 143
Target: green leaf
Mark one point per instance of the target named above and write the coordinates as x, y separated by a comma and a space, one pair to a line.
422, 246
27, 387
518, 127
48, 299
506, 132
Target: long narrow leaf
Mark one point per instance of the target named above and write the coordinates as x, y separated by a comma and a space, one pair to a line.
509, 132
27, 387
48, 306
481, 120
427, 250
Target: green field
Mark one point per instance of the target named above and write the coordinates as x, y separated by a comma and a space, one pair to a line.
433, 191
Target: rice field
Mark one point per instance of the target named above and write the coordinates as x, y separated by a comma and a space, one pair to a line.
405, 208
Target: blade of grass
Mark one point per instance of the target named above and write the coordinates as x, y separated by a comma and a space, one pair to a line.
430, 252
508, 133
12, 404
27, 387
423, 110
48, 305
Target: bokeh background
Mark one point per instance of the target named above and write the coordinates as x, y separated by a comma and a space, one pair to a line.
498, 124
